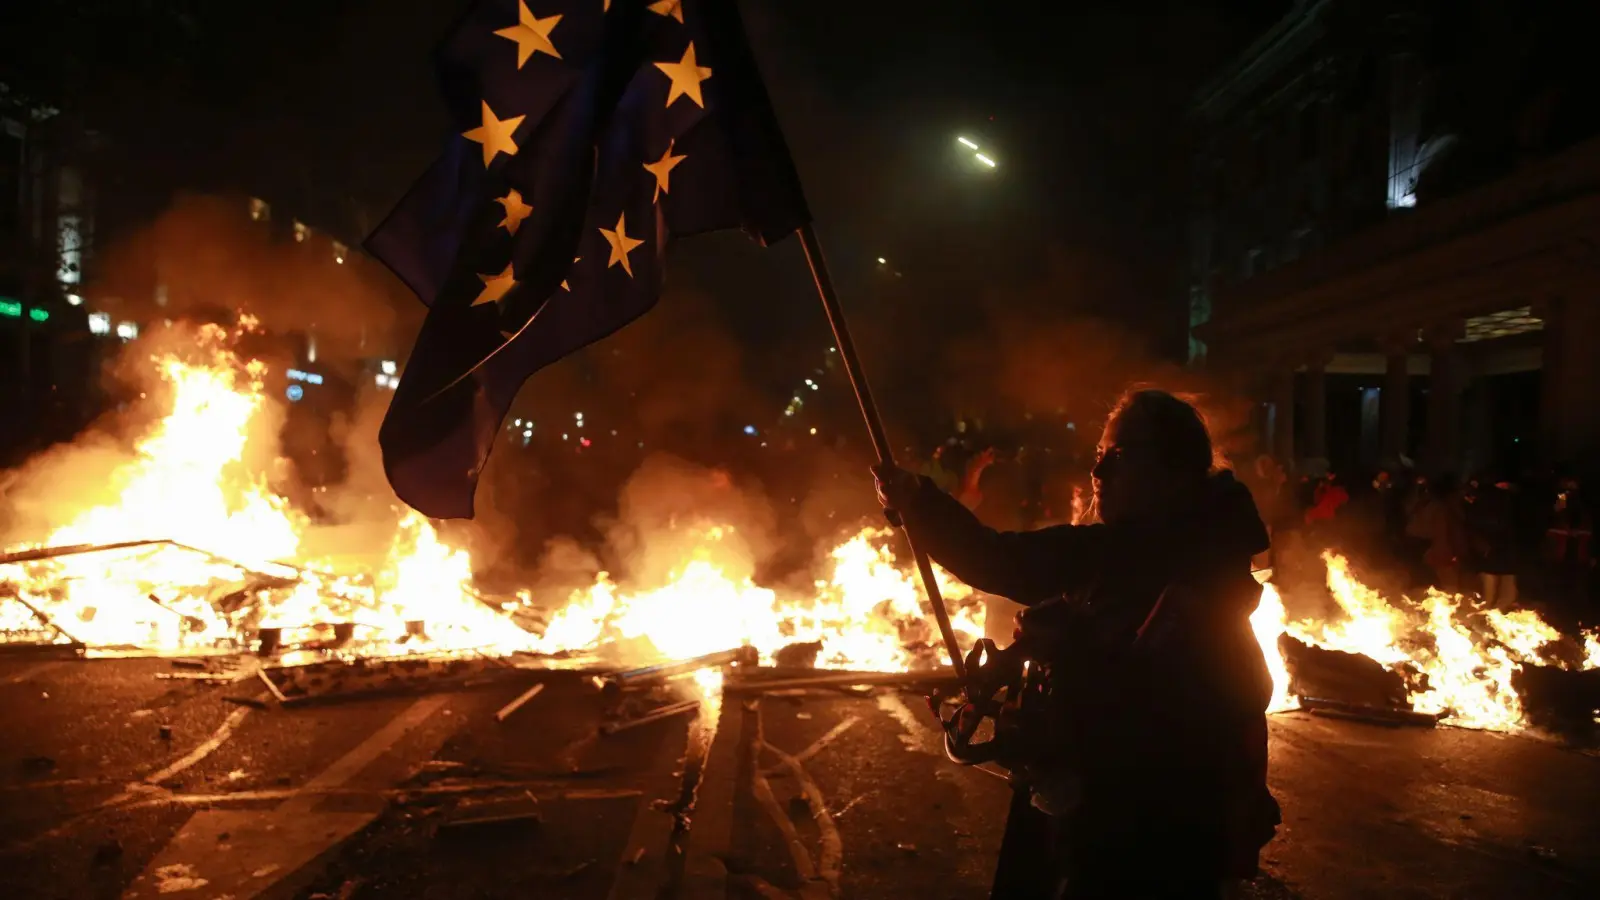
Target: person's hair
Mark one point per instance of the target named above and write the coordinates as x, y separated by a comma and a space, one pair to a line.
1176, 429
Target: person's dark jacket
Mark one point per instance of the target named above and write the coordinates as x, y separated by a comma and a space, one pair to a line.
1161, 689
1491, 521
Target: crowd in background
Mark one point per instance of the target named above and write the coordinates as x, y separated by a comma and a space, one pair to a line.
1514, 541
1523, 541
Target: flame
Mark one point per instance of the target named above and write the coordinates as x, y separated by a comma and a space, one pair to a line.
229, 536
1268, 622
1458, 660
868, 614
226, 557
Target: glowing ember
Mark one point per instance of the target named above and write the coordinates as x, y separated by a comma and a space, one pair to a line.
1459, 660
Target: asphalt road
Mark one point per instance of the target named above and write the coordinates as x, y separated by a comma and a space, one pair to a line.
117, 783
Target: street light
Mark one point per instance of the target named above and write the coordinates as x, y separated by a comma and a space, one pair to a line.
977, 152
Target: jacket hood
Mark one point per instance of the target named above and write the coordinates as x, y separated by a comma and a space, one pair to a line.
1227, 521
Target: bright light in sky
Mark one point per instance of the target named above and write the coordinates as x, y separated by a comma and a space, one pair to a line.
881, 260
985, 160
967, 144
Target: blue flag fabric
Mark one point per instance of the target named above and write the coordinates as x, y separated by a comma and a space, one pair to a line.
590, 133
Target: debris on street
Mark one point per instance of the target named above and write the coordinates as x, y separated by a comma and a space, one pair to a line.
506, 711
665, 712
759, 682
738, 658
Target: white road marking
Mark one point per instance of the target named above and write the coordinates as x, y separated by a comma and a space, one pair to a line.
218, 737
830, 860
348, 765
915, 730
30, 671
243, 852
163, 798
821, 742
797, 850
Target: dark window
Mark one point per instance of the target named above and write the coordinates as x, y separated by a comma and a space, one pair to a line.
1310, 131
11, 185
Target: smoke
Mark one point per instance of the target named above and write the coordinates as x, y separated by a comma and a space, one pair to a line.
204, 256
91, 471
1075, 369
669, 511
671, 380
205, 260
1064, 346
357, 516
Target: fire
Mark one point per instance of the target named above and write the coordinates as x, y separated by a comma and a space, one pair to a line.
1459, 660
215, 559
862, 614
220, 558
1268, 623
212, 524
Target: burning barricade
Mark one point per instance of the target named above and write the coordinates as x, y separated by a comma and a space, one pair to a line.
1439, 658
174, 544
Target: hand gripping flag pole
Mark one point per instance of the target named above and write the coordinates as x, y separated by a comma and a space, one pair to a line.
880, 440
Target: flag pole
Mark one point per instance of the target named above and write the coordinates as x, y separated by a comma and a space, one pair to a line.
880, 439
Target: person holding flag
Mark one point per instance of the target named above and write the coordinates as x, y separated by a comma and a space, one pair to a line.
1138, 740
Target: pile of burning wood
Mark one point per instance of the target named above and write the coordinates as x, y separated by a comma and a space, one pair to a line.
235, 628
318, 662
230, 613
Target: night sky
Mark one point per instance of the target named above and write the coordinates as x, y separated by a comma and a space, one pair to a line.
329, 107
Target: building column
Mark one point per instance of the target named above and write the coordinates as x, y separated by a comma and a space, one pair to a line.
1283, 417
1394, 402
1569, 418
1478, 433
1444, 399
1552, 379
1317, 408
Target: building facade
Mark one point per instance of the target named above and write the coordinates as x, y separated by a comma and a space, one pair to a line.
47, 224
1395, 244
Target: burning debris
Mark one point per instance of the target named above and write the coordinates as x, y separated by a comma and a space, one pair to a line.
1442, 657
187, 550
180, 546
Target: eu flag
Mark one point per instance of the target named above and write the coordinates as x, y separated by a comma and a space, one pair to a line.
590, 133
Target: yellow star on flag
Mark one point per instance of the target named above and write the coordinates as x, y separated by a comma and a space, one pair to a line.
495, 287
686, 75
673, 8
516, 210
662, 170
531, 34
495, 134
621, 244
574, 262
